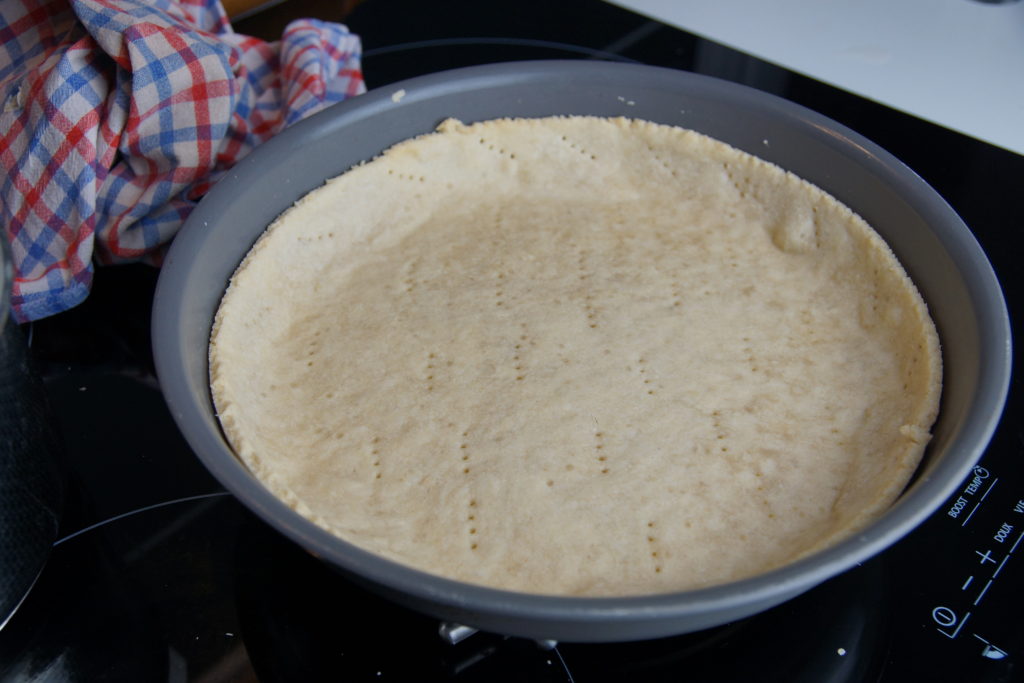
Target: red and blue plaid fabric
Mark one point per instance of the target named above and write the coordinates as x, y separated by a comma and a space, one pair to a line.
118, 115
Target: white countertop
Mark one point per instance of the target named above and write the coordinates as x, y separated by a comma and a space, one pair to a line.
957, 63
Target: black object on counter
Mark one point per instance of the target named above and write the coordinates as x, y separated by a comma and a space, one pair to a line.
31, 489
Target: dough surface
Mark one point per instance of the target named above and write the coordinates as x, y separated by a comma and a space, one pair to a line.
576, 356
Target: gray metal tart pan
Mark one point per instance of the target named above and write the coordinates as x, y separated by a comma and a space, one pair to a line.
937, 249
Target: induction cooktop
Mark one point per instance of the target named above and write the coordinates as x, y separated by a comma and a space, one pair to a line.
159, 574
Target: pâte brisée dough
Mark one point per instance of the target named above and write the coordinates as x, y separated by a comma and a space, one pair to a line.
576, 356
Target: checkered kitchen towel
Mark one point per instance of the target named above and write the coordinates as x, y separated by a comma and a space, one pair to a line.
118, 115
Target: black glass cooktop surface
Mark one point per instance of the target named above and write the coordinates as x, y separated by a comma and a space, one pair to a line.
160, 575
